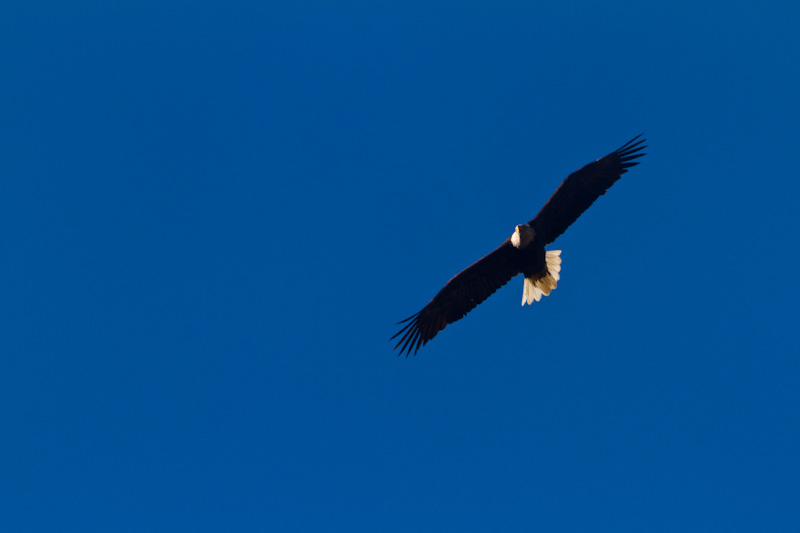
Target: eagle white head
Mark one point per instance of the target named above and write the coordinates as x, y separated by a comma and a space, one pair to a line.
522, 236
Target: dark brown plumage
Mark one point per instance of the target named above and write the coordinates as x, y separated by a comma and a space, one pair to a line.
522, 253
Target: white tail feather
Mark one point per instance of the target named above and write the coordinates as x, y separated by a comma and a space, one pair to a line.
533, 289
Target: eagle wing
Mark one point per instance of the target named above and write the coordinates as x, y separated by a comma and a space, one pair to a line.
582, 188
462, 293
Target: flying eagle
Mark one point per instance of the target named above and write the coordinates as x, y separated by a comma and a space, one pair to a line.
521, 253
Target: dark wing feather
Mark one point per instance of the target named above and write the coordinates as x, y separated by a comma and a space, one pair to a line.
460, 296
582, 188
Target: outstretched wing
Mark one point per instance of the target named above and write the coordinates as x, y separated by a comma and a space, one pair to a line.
460, 296
582, 188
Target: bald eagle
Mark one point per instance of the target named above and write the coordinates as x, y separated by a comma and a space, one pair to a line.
522, 252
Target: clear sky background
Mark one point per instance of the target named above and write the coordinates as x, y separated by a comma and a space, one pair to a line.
213, 214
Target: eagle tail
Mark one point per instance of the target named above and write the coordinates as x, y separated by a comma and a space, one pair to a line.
534, 288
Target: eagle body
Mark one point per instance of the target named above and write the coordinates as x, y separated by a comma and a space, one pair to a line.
528, 251
523, 252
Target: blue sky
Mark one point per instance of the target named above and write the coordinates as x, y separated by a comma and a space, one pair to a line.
213, 215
